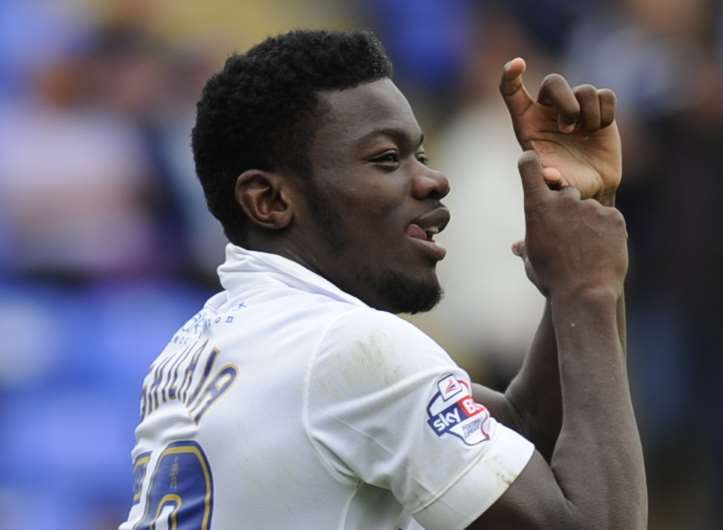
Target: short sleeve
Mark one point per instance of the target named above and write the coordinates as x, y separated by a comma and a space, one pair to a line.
385, 405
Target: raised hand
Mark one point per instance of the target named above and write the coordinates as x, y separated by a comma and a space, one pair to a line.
573, 131
572, 245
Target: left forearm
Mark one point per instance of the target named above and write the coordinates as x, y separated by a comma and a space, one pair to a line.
535, 391
531, 405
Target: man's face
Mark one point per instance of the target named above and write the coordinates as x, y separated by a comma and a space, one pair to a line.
372, 206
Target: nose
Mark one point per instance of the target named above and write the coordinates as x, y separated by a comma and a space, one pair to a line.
430, 184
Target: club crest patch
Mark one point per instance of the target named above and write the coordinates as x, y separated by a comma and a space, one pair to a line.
453, 411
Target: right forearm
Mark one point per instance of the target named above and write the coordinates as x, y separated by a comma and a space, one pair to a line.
598, 459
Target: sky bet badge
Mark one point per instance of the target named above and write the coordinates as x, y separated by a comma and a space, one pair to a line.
453, 411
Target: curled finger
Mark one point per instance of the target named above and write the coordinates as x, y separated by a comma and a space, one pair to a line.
587, 97
607, 101
555, 91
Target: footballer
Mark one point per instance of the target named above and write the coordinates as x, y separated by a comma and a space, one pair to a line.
297, 399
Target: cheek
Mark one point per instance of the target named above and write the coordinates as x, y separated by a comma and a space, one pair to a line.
375, 202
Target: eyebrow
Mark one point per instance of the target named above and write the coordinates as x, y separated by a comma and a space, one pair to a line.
398, 135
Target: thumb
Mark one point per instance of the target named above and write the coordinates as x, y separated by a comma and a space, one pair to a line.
513, 89
520, 250
534, 186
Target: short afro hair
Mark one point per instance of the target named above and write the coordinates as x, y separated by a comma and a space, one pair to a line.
258, 111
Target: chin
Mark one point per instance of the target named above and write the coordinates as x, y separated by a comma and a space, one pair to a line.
399, 292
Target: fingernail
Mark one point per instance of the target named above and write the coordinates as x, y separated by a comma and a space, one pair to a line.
567, 127
508, 65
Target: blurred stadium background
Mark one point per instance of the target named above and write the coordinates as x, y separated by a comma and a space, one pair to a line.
106, 247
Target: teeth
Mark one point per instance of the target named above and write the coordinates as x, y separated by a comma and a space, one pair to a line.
431, 232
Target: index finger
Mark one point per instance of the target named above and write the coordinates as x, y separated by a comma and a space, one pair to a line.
534, 186
512, 88
556, 91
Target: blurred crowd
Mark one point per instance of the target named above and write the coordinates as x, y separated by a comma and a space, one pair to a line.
106, 246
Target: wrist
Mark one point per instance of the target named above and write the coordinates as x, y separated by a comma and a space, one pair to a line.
588, 311
585, 295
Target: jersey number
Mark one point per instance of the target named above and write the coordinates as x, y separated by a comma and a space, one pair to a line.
180, 492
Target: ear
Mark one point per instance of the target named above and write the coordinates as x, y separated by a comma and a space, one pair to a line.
264, 197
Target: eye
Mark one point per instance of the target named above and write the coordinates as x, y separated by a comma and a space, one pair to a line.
389, 160
423, 158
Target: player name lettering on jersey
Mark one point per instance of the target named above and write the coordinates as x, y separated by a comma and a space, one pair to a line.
186, 374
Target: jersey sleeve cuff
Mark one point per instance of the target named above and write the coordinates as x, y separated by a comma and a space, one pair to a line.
480, 487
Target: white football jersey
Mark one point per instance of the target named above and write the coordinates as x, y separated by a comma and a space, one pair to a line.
287, 403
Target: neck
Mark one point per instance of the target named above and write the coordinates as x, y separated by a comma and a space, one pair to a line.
286, 248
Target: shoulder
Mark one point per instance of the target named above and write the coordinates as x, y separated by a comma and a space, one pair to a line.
369, 348
373, 334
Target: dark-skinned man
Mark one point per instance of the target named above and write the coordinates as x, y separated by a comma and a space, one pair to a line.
297, 399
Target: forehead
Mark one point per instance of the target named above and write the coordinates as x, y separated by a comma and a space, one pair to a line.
351, 115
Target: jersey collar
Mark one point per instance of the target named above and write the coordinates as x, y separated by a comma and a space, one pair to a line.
247, 269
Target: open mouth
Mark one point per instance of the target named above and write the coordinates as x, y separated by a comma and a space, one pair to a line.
426, 234
424, 239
